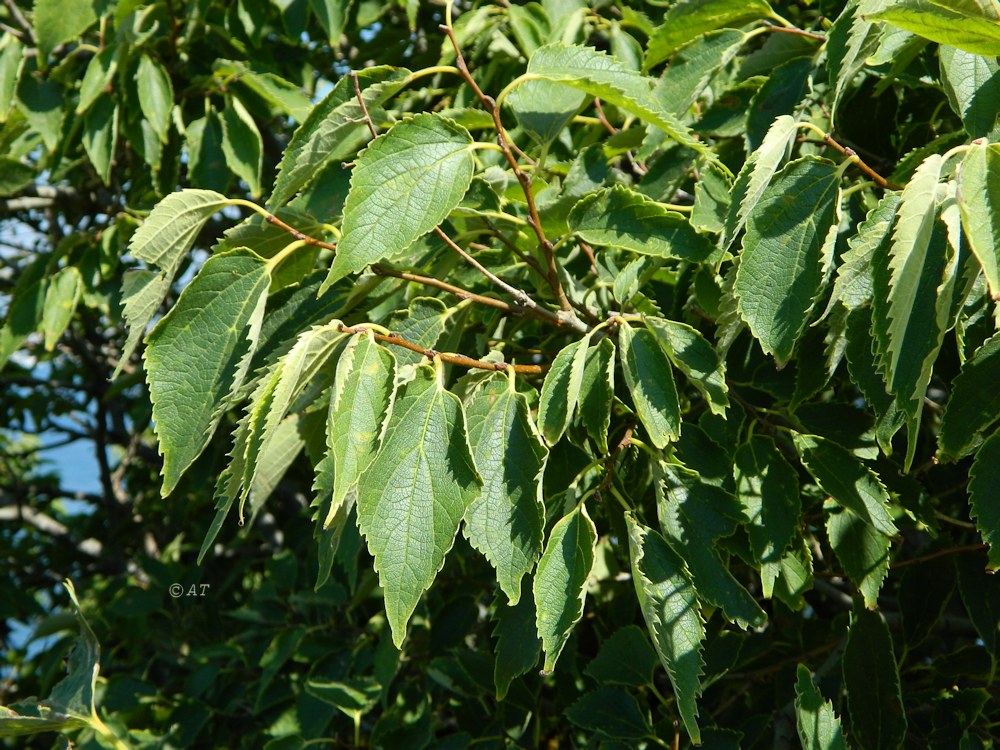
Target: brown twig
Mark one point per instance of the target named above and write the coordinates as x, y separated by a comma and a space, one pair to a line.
603, 118
879, 180
940, 553
515, 249
380, 270
609, 464
272, 219
364, 107
20, 20
797, 32
455, 359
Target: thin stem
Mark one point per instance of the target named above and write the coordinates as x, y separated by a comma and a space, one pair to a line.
940, 553
272, 219
379, 270
287, 250
364, 107
455, 359
603, 118
798, 32
829, 140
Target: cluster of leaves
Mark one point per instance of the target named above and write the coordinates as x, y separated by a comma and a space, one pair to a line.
624, 306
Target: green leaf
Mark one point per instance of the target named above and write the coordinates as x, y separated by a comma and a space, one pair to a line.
690, 19
598, 74
207, 164
694, 67
100, 136
15, 176
871, 679
59, 21
780, 94
560, 581
61, 298
850, 42
787, 251
561, 390
198, 354
427, 159
142, 294
242, 145
972, 84
670, 607
334, 130
544, 108
625, 658
506, 521
979, 201
985, 474
625, 219
854, 285
412, 498
597, 392
354, 697
156, 95
25, 309
332, 16
42, 102
422, 324
693, 515
172, 227
974, 404
690, 353
862, 550
756, 175
647, 374
11, 55
848, 481
960, 23
612, 712
768, 488
100, 71
363, 392
518, 645
819, 728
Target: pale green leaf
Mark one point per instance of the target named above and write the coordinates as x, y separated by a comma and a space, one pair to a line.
61, 298
100, 136
142, 294
402, 186
506, 521
979, 201
690, 353
690, 19
59, 21
412, 498
197, 355
862, 550
11, 55
960, 23
332, 16
242, 145
597, 392
560, 581
172, 227
768, 488
695, 66
850, 42
334, 130
853, 286
848, 481
670, 607
974, 404
625, 219
983, 496
561, 390
972, 83
649, 380
100, 70
156, 95
363, 391
518, 646
871, 681
787, 251
600, 75
25, 309
819, 728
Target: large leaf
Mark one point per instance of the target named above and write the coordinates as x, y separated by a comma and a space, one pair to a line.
960, 23
518, 645
974, 404
334, 130
363, 392
972, 83
560, 581
561, 390
403, 185
156, 95
59, 21
787, 252
819, 728
690, 19
871, 679
979, 201
600, 75
198, 355
412, 498
506, 521
983, 497
622, 218
670, 607
862, 550
690, 353
647, 374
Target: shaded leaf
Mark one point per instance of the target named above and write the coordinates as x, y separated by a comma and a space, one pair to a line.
983, 497
612, 712
647, 374
59, 21
690, 353
61, 298
518, 644
561, 390
878, 719
862, 551
156, 95
979, 201
972, 83
974, 404
819, 728
242, 145
625, 658
597, 392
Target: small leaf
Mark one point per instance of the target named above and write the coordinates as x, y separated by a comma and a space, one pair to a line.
974, 404
427, 160
100, 71
862, 551
670, 607
854, 284
979, 201
156, 95
787, 251
695, 66
819, 728
561, 390
518, 645
198, 354
506, 521
781, 94
612, 712
100, 136
625, 658
11, 54
332, 16
412, 498
242, 145
690, 19
985, 475
850, 42
61, 298
421, 324
871, 679
962, 25
690, 353
846, 480
42, 102
544, 108
142, 294
560, 581
15, 176
619, 217
647, 374
597, 392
